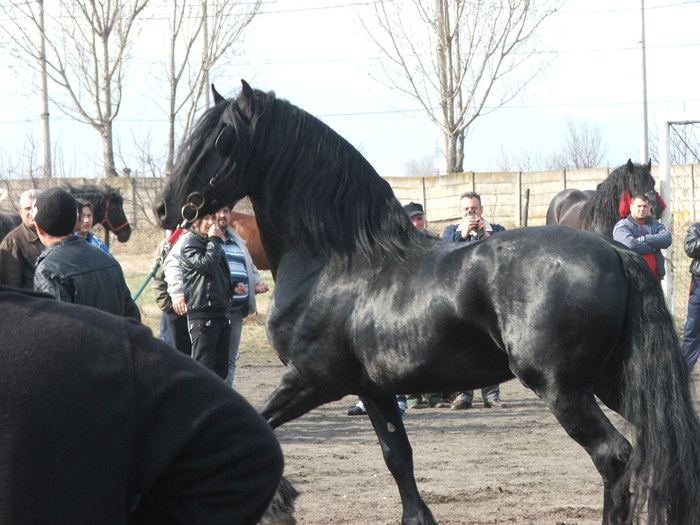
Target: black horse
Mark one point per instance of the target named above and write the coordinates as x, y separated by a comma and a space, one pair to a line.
365, 304
107, 208
598, 211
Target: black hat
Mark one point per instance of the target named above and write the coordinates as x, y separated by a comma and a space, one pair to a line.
413, 208
56, 212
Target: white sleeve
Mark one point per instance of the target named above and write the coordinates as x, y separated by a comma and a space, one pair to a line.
172, 269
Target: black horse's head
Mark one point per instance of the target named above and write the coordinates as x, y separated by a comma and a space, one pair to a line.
114, 218
637, 180
211, 162
107, 208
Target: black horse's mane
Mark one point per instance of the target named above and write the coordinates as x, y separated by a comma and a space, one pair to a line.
98, 195
316, 183
601, 211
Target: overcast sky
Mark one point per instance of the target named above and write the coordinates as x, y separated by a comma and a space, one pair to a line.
314, 54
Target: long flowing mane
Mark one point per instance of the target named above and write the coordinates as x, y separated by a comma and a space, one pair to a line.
601, 211
324, 190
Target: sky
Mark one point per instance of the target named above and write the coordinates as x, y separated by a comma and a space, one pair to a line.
315, 54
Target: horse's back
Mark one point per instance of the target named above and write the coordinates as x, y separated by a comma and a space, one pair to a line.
549, 275
565, 208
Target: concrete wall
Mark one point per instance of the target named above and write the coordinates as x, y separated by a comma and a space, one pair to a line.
503, 197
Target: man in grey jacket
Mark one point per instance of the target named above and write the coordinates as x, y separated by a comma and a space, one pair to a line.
643, 234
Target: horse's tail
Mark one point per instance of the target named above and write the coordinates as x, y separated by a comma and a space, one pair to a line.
664, 466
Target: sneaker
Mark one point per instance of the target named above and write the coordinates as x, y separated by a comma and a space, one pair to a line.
495, 403
356, 411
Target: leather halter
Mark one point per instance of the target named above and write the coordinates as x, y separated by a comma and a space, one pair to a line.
107, 222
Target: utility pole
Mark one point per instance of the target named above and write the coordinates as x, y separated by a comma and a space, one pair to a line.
44, 93
645, 120
205, 29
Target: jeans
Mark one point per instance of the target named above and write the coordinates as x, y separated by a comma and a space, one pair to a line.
179, 332
210, 343
236, 329
691, 332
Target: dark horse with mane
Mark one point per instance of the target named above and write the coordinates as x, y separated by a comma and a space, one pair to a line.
107, 208
598, 211
366, 304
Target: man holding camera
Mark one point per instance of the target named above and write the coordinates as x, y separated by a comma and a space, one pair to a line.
473, 227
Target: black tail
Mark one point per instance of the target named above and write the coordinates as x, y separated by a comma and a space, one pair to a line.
664, 468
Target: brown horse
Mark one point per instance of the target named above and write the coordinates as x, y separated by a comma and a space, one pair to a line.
247, 227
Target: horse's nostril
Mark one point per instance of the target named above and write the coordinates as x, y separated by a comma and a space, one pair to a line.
160, 211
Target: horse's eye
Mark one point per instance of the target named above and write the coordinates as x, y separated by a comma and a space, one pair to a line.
224, 141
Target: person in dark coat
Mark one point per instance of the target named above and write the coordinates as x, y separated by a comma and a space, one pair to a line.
71, 269
691, 330
100, 422
209, 290
21, 247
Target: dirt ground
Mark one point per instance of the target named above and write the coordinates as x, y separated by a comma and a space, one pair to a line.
480, 466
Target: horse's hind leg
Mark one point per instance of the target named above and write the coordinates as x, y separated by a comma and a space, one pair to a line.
388, 425
584, 421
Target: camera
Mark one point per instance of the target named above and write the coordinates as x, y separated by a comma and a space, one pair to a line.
478, 233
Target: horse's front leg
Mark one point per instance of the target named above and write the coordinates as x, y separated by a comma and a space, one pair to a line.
293, 397
388, 425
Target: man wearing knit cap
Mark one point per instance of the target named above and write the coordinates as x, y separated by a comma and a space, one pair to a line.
69, 268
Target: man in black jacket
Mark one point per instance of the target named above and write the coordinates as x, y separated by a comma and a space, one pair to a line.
208, 293
103, 423
691, 332
69, 268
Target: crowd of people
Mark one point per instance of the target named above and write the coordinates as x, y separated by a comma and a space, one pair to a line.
93, 405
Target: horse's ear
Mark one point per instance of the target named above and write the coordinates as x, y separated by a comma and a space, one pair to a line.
649, 165
246, 100
217, 97
630, 166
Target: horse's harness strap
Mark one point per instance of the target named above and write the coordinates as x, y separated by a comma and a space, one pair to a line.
107, 221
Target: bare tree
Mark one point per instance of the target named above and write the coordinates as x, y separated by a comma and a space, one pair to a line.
455, 56
200, 35
584, 148
527, 159
422, 167
87, 44
683, 147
